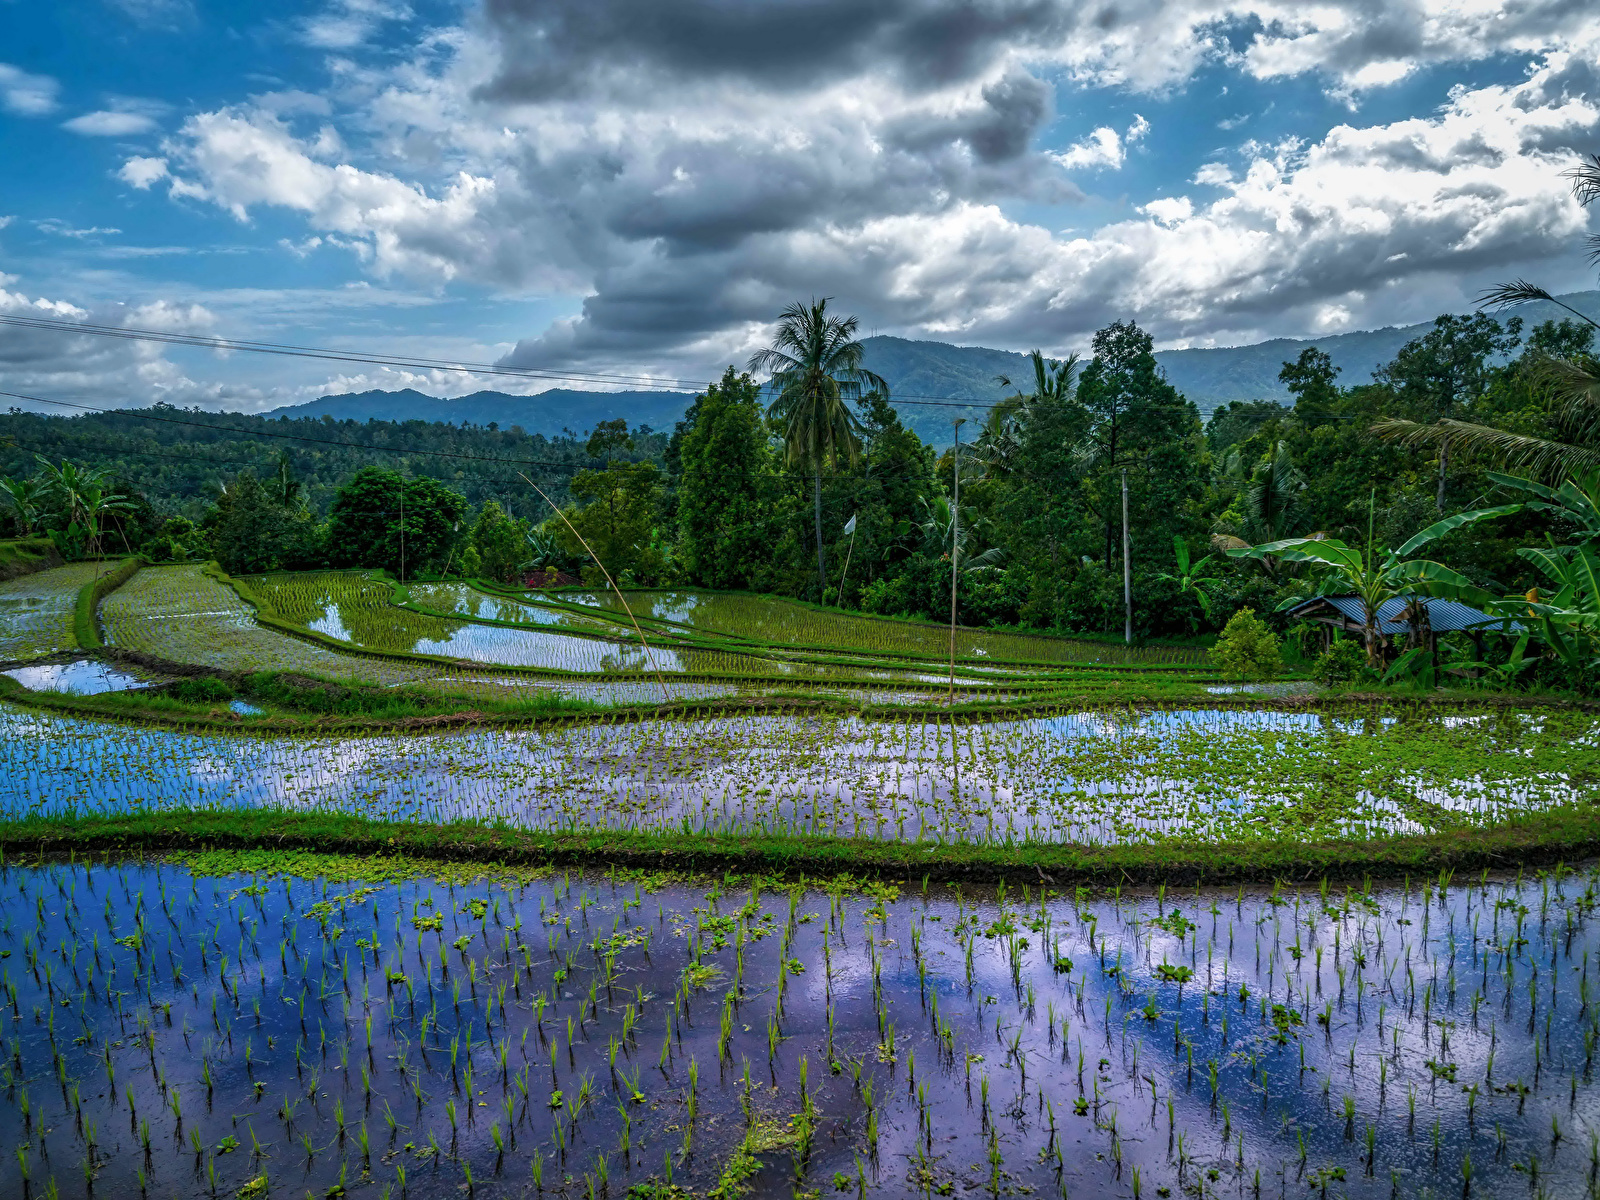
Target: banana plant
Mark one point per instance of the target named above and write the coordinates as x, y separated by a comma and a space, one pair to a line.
1567, 616
1577, 499
1378, 577
1190, 577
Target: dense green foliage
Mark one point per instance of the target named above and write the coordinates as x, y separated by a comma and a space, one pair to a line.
745, 497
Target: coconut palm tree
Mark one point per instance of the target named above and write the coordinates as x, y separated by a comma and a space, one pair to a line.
1054, 382
1573, 384
815, 368
942, 539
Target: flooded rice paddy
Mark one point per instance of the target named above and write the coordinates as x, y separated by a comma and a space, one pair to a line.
355, 608
429, 1033
771, 619
1090, 777
36, 610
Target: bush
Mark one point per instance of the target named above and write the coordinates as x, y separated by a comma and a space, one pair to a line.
1342, 662
203, 689
1247, 649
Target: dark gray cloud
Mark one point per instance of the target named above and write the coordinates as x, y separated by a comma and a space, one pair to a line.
687, 167
558, 49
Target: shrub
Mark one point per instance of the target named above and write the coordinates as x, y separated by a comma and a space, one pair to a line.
1247, 649
1342, 662
202, 689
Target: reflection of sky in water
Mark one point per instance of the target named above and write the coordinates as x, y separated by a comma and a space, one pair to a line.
782, 622
82, 678
1094, 777
1449, 1019
459, 598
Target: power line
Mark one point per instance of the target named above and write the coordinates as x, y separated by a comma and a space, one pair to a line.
464, 367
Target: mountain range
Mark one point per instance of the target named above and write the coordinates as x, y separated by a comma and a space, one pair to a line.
919, 373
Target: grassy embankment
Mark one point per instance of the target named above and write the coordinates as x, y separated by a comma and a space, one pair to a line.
1559, 835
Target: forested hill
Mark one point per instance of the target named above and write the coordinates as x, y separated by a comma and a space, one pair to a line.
549, 413
1210, 377
915, 371
180, 459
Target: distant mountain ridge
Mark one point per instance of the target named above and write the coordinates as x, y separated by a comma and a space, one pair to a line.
915, 370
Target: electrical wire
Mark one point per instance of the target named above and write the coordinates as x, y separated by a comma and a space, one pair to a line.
464, 367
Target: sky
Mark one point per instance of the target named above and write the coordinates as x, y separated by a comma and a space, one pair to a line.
641, 186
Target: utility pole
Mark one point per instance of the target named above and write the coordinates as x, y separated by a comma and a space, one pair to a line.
955, 544
402, 525
1127, 570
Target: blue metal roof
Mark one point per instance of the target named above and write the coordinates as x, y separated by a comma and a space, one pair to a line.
1444, 616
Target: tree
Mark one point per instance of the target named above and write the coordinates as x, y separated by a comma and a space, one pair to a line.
815, 365
1445, 370
500, 543
1136, 419
726, 489
1310, 380
252, 532
381, 519
1246, 648
24, 497
618, 520
1189, 578
81, 492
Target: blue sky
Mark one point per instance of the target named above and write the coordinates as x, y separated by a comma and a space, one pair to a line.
633, 186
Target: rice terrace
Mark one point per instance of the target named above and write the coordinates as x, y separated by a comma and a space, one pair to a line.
888, 769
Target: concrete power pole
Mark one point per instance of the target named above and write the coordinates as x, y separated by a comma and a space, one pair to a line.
955, 544
1127, 571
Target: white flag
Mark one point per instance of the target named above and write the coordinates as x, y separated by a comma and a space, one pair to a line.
850, 525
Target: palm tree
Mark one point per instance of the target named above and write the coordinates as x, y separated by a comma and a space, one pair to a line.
1270, 506
815, 364
1054, 382
1572, 383
937, 531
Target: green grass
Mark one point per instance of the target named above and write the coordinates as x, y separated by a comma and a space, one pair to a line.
1556, 836
85, 627
20, 555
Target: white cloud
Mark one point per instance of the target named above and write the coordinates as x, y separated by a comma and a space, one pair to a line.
347, 24
1170, 210
1102, 148
62, 229
142, 172
83, 368
106, 123
25, 94
687, 191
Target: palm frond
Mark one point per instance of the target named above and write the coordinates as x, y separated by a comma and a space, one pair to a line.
1518, 291
1585, 180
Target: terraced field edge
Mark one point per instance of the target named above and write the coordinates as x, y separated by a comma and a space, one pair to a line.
1557, 836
